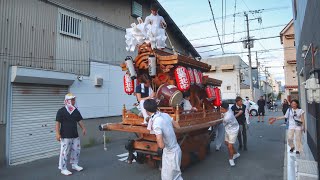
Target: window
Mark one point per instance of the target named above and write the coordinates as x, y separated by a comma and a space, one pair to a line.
228, 87
136, 9
69, 25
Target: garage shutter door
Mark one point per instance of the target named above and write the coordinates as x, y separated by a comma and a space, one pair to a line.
32, 126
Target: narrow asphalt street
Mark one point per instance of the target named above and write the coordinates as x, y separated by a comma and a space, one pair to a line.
264, 160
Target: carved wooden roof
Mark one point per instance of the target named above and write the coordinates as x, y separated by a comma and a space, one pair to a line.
187, 61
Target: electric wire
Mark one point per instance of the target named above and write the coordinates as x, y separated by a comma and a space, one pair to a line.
236, 14
215, 24
238, 32
233, 42
234, 18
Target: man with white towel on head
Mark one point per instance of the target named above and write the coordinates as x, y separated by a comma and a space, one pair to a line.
68, 117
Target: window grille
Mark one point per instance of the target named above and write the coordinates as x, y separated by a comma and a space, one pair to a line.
69, 25
136, 9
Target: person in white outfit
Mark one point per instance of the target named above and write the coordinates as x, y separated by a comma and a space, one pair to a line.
186, 102
163, 126
247, 113
156, 29
144, 92
232, 129
295, 115
68, 117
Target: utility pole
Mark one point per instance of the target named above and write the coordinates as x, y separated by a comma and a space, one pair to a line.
257, 69
249, 55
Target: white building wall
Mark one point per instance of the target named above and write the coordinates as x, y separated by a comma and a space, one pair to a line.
229, 78
107, 100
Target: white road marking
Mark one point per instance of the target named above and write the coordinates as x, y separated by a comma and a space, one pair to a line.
123, 157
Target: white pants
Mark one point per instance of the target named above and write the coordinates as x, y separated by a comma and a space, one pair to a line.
171, 161
247, 117
297, 136
72, 146
219, 129
143, 111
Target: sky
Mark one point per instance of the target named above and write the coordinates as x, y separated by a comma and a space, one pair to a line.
194, 18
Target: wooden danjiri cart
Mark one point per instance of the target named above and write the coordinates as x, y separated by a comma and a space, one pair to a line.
171, 70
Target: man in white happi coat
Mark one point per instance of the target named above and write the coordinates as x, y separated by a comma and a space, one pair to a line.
162, 126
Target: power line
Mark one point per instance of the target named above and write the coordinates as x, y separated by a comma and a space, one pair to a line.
209, 50
238, 32
234, 18
236, 14
266, 50
233, 42
215, 24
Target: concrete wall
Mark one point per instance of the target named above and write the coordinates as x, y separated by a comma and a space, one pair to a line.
291, 79
289, 55
290, 75
107, 100
306, 29
300, 7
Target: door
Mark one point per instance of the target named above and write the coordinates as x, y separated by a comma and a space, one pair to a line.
32, 124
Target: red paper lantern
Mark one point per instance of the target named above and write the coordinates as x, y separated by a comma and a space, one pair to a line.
192, 80
128, 84
182, 78
196, 77
211, 95
217, 101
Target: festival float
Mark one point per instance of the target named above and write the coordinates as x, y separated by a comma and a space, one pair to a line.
171, 74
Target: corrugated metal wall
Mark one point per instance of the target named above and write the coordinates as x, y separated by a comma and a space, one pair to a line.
30, 37
107, 44
27, 32
72, 54
4, 71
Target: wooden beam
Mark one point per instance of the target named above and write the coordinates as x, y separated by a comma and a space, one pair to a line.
144, 130
123, 128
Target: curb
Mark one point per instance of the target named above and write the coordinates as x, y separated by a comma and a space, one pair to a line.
285, 165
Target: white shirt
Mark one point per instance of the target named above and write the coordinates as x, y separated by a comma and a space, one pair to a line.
292, 115
154, 20
186, 105
162, 124
230, 122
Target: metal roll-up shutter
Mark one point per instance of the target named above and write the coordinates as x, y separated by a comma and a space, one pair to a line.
32, 125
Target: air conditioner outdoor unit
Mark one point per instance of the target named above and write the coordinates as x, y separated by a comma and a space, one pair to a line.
98, 81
